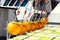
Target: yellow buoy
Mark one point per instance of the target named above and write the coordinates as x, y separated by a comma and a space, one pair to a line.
13, 28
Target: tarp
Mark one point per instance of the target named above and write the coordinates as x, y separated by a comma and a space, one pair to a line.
24, 3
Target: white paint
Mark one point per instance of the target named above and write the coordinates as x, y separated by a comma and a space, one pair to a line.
2, 2
55, 15
20, 16
22, 11
28, 9
9, 2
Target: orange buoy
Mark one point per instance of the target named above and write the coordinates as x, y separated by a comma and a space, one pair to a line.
37, 25
27, 25
13, 28
23, 29
33, 27
41, 24
44, 20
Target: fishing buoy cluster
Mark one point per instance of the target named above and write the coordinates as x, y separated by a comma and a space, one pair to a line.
15, 28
